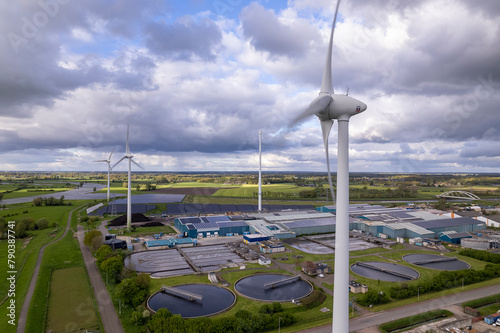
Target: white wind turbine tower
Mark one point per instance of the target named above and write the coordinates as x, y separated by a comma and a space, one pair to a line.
109, 167
327, 107
128, 156
260, 172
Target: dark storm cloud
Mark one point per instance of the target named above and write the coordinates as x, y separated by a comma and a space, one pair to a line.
480, 149
266, 33
184, 39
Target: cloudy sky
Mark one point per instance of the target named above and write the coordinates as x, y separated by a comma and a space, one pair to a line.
196, 80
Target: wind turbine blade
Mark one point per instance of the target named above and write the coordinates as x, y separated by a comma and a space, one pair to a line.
326, 127
128, 149
317, 107
326, 83
109, 158
124, 157
101, 161
137, 164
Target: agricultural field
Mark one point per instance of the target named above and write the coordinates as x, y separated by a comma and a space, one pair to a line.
71, 306
250, 191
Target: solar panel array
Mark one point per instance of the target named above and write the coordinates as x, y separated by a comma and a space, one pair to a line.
183, 209
122, 209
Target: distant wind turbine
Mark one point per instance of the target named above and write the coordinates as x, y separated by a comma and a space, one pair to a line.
128, 156
327, 107
109, 167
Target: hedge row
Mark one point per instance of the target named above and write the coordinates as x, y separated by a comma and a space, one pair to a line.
415, 320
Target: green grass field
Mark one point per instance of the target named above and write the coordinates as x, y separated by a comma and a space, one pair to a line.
249, 191
71, 306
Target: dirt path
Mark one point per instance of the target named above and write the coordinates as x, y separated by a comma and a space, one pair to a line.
109, 317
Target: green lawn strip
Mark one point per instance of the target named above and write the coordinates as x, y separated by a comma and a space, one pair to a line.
489, 309
402, 324
70, 302
437, 294
482, 301
143, 231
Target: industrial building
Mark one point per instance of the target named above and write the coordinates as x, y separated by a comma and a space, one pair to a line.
480, 243
453, 236
374, 220
210, 226
167, 243
271, 246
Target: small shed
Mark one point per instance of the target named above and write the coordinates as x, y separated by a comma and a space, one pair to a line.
356, 287
453, 237
311, 268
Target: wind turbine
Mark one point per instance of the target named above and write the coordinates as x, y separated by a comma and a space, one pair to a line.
129, 156
109, 167
329, 106
260, 172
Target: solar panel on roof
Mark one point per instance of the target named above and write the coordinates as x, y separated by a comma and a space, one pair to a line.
207, 226
190, 227
218, 218
446, 222
231, 224
204, 219
186, 220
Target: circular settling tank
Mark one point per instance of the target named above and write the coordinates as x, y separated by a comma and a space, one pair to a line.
384, 271
436, 262
184, 300
273, 287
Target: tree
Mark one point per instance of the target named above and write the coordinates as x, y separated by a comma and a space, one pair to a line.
42, 223
112, 266
159, 321
21, 228
89, 236
37, 201
3, 226
103, 253
131, 292
29, 222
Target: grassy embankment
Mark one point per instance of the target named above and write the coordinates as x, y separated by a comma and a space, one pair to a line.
27, 250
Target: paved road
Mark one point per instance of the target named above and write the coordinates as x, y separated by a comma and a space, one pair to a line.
377, 318
109, 317
23, 315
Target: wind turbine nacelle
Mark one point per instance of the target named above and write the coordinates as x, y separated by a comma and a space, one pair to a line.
342, 107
